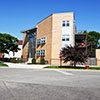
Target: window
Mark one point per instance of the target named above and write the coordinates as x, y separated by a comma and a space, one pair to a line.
67, 34
42, 52
38, 53
63, 39
38, 41
63, 23
66, 23
43, 40
67, 39
30, 36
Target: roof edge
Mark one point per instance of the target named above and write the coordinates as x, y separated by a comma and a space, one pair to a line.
28, 29
53, 14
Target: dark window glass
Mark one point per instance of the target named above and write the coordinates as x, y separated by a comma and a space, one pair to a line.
63, 24
67, 39
67, 23
63, 39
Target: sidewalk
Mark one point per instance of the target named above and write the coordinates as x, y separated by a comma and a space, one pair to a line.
25, 66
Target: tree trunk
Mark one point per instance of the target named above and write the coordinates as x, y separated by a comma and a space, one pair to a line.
74, 64
13, 53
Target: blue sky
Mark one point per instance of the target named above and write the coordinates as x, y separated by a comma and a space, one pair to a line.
18, 15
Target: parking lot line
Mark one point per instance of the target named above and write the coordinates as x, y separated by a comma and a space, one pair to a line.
63, 72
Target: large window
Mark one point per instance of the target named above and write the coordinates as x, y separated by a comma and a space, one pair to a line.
65, 37
31, 46
43, 40
42, 52
38, 41
66, 23
38, 53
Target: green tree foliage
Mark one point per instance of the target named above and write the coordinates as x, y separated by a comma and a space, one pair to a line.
42, 60
93, 43
33, 61
74, 54
93, 37
8, 43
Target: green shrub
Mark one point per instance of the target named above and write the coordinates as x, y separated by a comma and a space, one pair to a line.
42, 60
33, 61
2, 64
13, 60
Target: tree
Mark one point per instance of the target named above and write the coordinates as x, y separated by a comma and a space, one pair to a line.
93, 36
74, 54
33, 61
8, 43
42, 60
93, 39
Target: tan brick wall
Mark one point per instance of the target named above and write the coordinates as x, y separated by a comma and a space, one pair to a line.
51, 28
57, 34
44, 29
98, 62
57, 62
98, 56
25, 48
98, 53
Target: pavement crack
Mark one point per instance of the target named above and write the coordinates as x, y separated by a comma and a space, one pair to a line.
9, 90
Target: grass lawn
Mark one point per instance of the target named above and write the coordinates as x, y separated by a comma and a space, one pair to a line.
72, 67
2, 64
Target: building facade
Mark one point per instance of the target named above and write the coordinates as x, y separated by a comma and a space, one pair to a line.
16, 54
52, 34
29, 42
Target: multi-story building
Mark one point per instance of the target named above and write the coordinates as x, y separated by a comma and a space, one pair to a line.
50, 36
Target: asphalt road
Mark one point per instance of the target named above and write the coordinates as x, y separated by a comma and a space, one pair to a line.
28, 84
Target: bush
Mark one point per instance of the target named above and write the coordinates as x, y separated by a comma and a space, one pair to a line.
13, 60
33, 61
42, 60
5, 59
2, 64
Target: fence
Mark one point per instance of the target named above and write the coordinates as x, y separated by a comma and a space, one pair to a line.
91, 61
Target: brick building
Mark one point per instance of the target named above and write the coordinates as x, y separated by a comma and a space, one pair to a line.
47, 39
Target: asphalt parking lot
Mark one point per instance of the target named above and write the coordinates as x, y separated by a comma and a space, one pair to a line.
41, 84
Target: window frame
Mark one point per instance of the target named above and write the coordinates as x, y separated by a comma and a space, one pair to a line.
43, 52
66, 23
43, 40
38, 53
67, 39
38, 41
